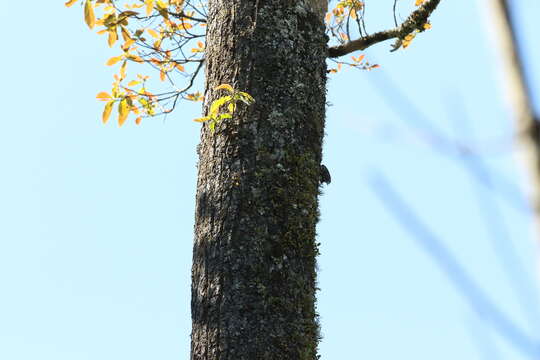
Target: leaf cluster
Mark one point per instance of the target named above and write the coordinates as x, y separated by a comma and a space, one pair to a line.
227, 102
168, 37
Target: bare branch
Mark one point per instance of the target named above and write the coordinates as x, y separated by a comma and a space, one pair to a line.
480, 302
494, 220
415, 21
405, 108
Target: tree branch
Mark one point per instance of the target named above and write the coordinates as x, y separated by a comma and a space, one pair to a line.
477, 298
415, 21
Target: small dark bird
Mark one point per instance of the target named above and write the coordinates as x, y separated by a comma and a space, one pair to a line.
325, 175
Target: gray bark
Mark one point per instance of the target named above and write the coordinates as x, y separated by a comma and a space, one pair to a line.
254, 261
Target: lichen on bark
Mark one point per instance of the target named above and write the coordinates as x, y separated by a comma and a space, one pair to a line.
254, 279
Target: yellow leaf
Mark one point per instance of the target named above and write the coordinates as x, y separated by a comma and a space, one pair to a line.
123, 112
419, 2
427, 26
113, 60
195, 96
135, 58
125, 34
125, 46
162, 75
224, 86
107, 111
70, 2
180, 67
149, 6
185, 25
113, 36
161, 4
133, 83
89, 16
153, 33
123, 70
203, 119
103, 96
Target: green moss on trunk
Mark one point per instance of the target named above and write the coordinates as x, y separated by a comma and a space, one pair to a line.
255, 250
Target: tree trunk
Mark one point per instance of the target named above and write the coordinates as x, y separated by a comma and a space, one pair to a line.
254, 277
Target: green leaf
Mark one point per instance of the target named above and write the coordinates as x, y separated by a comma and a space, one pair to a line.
214, 108
246, 98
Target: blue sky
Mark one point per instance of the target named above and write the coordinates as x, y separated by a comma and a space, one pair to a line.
96, 221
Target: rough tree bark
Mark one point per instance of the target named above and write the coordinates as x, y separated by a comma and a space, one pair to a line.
253, 277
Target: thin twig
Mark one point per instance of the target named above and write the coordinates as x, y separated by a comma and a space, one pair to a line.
415, 21
394, 11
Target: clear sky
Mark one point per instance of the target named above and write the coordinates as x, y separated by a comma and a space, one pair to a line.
96, 222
